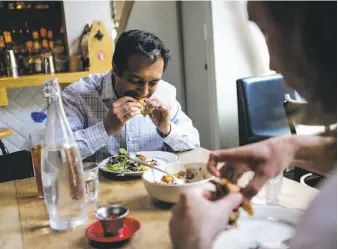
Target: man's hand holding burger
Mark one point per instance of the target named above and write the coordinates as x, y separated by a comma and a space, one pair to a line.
159, 114
122, 110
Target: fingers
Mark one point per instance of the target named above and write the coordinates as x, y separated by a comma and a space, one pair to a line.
156, 103
254, 186
244, 155
233, 171
125, 111
130, 115
212, 164
124, 100
230, 202
240, 154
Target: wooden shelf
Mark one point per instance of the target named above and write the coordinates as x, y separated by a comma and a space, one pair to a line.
38, 80
35, 80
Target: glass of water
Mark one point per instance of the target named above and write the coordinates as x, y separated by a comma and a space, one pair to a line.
91, 178
271, 191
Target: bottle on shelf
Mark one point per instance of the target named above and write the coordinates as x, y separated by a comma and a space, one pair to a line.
50, 39
11, 64
3, 70
8, 40
62, 169
11, 5
37, 52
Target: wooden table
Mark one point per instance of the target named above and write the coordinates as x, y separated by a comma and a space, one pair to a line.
24, 219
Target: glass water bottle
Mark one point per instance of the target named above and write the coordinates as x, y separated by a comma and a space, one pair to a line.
62, 169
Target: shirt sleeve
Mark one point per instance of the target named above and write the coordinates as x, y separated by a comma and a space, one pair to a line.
183, 135
91, 139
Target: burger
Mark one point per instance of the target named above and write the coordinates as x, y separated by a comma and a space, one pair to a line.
225, 187
144, 109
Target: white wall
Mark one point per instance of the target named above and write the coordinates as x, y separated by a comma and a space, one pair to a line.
233, 60
79, 13
200, 86
161, 18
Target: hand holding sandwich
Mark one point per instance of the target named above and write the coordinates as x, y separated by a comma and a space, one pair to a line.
159, 114
196, 221
122, 110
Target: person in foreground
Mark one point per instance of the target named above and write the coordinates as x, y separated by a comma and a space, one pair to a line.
104, 110
302, 42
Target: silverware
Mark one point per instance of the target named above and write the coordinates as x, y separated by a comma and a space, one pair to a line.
175, 179
124, 171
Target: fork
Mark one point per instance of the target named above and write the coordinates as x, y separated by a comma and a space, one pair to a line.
124, 171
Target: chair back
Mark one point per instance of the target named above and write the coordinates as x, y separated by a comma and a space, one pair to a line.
16, 165
260, 108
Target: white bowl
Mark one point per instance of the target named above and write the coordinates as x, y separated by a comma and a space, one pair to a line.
170, 192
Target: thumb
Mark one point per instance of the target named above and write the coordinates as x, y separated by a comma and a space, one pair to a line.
230, 202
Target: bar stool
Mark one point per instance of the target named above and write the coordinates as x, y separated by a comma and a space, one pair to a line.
4, 132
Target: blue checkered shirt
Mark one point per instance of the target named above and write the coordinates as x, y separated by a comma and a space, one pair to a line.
86, 104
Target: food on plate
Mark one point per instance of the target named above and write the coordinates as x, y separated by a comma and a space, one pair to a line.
223, 188
119, 162
187, 174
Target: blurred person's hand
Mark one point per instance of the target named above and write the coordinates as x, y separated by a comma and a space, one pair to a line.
266, 159
196, 221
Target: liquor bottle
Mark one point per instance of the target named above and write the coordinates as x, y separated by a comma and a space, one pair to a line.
8, 40
50, 39
36, 51
3, 70
44, 39
31, 59
62, 169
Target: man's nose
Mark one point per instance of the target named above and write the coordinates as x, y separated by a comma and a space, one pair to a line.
143, 90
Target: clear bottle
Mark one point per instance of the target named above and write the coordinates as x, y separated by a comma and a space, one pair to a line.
62, 169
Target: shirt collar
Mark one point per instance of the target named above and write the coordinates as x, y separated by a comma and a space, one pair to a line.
107, 87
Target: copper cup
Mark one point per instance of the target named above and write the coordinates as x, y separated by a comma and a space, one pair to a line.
111, 218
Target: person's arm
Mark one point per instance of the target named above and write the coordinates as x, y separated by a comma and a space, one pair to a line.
183, 135
315, 153
89, 140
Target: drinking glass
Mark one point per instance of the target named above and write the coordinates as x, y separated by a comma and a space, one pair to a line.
36, 138
91, 173
271, 191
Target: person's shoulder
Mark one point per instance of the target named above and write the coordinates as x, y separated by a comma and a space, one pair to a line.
87, 84
166, 90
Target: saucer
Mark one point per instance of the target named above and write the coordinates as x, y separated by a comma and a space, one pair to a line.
95, 231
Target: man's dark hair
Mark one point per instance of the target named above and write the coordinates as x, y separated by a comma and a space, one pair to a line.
138, 42
316, 22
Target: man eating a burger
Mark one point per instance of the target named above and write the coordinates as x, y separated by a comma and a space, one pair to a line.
130, 106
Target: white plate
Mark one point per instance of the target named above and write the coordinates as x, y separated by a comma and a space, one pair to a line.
162, 157
270, 226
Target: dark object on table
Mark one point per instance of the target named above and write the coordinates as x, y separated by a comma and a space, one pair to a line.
16, 165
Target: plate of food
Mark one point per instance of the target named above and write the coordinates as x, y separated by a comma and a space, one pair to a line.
116, 164
270, 227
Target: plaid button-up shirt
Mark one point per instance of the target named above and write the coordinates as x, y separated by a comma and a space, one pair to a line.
87, 102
